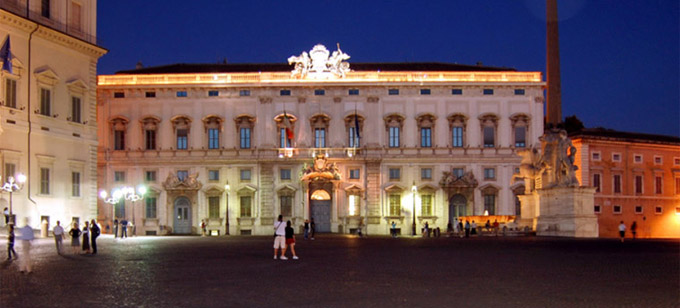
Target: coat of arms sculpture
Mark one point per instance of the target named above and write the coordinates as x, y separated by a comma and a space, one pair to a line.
317, 64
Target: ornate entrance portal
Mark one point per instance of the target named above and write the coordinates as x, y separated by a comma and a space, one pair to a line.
457, 207
321, 178
460, 193
320, 208
182, 220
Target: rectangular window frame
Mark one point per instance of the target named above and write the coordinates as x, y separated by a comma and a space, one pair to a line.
425, 137
213, 138
214, 207
75, 184
285, 174
151, 207
244, 92
45, 181
10, 93
395, 205
213, 175
245, 175
457, 140
394, 174
393, 135
244, 137
45, 102
426, 173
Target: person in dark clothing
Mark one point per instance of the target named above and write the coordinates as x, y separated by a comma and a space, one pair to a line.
115, 228
10, 244
312, 225
95, 231
290, 239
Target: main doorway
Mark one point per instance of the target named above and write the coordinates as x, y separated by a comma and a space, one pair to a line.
182, 213
320, 204
457, 207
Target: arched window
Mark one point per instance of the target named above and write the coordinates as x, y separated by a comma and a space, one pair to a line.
426, 126
489, 124
244, 127
150, 131
119, 130
213, 129
181, 125
457, 126
393, 124
319, 124
490, 195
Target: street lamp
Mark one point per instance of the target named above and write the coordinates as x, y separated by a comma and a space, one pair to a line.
11, 186
127, 193
414, 189
226, 188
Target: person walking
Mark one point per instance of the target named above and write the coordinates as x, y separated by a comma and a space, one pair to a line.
460, 228
95, 231
426, 230
123, 225
622, 231
473, 227
75, 238
280, 238
58, 236
633, 229
393, 229
86, 238
290, 239
115, 228
203, 227
10, 244
306, 228
26, 240
467, 228
312, 226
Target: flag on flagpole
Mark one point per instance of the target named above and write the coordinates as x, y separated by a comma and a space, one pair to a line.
288, 126
6, 56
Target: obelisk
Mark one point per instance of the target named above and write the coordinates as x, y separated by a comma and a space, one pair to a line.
554, 100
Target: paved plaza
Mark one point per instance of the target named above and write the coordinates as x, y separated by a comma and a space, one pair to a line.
346, 271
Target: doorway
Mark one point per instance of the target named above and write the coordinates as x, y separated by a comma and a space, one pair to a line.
457, 207
182, 214
320, 204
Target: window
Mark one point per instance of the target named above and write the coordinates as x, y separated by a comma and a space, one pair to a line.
284, 142
457, 133
677, 185
395, 205
213, 175
638, 209
676, 161
595, 156
182, 139
76, 109
119, 140
119, 176
150, 94
356, 174
425, 92
10, 93
45, 8
597, 209
319, 92
426, 137
213, 138
658, 210
458, 172
319, 137
395, 173
637, 159
426, 205
182, 175
616, 209
244, 93
285, 174
150, 139
75, 184
213, 93
519, 91
520, 136
394, 137
658, 160
150, 176
45, 102
393, 92
353, 92
616, 157
284, 93
354, 208
488, 91
638, 184
490, 204
181, 93
489, 137
426, 173
44, 181
214, 207
118, 94
245, 174
10, 170
286, 205
246, 206
353, 138
489, 173
617, 183
597, 182
456, 91
245, 138
150, 206
658, 185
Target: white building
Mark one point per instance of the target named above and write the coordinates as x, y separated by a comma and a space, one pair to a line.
48, 124
210, 143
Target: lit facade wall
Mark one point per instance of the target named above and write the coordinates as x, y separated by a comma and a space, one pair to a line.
51, 142
375, 172
639, 181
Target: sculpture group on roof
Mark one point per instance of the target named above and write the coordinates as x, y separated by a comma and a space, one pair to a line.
318, 64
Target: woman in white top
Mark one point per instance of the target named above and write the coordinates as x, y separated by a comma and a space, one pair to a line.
622, 231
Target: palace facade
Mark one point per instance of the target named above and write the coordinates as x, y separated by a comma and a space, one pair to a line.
350, 146
636, 177
48, 123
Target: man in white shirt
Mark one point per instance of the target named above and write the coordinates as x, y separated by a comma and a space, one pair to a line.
622, 231
58, 236
280, 238
26, 239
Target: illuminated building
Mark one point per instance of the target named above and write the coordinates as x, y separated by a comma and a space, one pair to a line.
48, 125
637, 178
186, 131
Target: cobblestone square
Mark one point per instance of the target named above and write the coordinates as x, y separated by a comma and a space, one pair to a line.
346, 271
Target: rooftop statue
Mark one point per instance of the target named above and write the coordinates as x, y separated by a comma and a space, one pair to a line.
317, 64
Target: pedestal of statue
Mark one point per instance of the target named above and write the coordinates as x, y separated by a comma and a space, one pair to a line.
565, 211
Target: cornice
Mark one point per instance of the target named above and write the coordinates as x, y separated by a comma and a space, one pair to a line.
15, 21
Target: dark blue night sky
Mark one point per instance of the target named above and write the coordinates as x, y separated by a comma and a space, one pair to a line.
620, 59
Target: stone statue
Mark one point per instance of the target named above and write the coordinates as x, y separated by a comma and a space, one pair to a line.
529, 169
317, 64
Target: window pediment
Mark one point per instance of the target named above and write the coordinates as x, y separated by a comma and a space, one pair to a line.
427, 188
394, 188
46, 76
213, 190
247, 189
77, 86
245, 121
354, 189
181, 122
426, 120
394, 120
319, 121
285, 190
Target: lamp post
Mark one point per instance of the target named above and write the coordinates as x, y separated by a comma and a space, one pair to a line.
414, 189
127, 193
11, 186
226, 231
113, 199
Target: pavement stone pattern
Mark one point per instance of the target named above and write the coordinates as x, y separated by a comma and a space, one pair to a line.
347, 271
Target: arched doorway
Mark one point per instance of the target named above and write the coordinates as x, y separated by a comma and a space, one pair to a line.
457, 207
320, 208
182, 216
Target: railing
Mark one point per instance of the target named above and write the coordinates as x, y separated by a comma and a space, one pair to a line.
285, 77
20, 9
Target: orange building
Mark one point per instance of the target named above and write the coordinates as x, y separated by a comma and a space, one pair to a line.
637, 177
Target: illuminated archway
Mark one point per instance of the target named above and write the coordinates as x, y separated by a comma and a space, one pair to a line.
320, 194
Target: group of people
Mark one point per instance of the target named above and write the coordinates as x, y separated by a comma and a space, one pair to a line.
123, 224
89, 233
622, 230
284, 237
